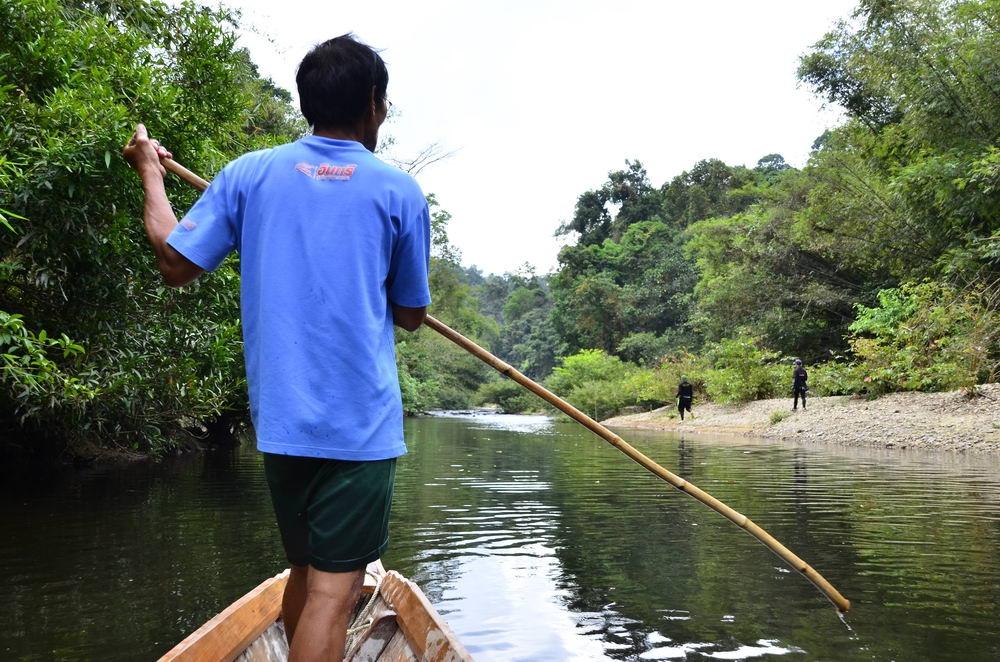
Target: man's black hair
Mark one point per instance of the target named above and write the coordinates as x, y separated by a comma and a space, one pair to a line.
335, 81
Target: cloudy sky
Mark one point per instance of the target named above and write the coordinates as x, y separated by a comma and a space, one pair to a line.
540, 99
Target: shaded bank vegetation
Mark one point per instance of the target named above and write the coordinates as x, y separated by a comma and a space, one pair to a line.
94, 351
877, 262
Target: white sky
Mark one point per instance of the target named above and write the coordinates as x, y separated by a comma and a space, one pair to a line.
542, 98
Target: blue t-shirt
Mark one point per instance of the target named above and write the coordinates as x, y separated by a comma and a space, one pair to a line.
329, 238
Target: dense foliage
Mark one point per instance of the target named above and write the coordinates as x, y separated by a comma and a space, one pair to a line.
433, 372
95, 349
96, 352
926, 336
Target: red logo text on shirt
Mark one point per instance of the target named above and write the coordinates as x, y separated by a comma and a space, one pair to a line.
326, 170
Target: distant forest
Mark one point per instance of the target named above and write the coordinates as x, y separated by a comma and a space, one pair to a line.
877, 263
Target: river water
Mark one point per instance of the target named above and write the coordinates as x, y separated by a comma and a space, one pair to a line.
538, 541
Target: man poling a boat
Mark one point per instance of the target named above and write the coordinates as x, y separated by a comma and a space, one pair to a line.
745, 523
339, 172
334, 249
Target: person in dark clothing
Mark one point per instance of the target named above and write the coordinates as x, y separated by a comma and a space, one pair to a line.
799, 388
685, 395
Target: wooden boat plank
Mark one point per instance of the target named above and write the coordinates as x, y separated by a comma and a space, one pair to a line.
424, 629
398, 650
270, 646
249, 628
374, 641
230, 632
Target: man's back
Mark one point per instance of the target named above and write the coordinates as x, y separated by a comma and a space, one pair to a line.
329, 238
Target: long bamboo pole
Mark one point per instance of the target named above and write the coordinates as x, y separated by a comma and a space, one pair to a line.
740, 520
185, 174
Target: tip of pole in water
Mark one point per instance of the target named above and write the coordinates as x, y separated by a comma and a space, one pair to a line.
842, 604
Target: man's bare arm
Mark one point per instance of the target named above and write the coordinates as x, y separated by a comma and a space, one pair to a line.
158, 216
408, 318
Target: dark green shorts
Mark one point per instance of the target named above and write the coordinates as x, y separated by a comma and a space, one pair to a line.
333, 514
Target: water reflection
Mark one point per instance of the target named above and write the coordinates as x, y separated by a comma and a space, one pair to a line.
540, 542
645, 573
480, 419
499, 588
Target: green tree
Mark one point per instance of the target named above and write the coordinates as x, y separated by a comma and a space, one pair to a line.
927, 337
433, 371
758, 272
628, 192
743, 370
638, 284
918, 80
74, 78
710, 188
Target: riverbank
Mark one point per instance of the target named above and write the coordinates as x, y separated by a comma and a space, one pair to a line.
938, 421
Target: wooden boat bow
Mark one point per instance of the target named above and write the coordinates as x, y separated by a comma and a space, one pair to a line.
394, 622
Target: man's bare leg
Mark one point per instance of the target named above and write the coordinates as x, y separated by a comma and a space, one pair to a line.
294, 599
322, 628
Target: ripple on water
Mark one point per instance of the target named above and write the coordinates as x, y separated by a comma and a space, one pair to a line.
488, 420
540, 542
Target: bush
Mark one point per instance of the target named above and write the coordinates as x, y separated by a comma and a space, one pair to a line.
35, 366
647, 388
435, 373
418, 395
926, 337
587, 365
603, 385
599, 384
509, 396
779, 415
599, 400
683, 364
743, 371
836, 378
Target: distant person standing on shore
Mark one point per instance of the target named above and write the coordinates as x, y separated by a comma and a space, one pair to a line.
685, 396
799, 388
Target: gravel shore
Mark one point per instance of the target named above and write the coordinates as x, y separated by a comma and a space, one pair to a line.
936, 421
